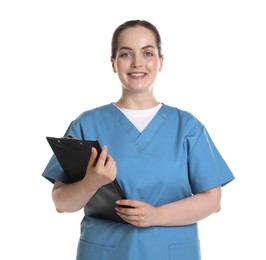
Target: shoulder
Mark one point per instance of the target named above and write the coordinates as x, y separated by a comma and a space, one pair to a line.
93, 113
184, 117
91, 117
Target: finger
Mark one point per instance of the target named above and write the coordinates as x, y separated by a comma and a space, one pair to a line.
130, 203
126, 212
93, 157
103, 156
111, 165
136, 220
109, 160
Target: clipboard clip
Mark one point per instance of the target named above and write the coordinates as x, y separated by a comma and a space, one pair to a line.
70, 137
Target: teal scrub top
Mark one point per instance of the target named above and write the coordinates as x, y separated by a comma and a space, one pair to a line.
171, 159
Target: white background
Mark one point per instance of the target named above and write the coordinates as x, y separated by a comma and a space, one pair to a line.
55, 63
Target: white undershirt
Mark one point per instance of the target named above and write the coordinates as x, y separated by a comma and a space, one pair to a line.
140, 118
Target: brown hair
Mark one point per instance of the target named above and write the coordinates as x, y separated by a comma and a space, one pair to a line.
134, 23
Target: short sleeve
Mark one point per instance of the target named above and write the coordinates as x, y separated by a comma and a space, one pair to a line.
54, 172
207, 168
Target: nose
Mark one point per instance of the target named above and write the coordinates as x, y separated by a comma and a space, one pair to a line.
135, 66
136, 62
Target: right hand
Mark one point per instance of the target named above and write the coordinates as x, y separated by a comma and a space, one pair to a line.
103, 171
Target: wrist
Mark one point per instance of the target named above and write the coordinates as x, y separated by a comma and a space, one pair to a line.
159, 217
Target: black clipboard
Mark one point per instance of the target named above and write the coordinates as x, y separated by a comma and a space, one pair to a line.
73, 156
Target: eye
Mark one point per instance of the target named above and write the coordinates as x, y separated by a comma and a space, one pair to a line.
148, 54
125, 54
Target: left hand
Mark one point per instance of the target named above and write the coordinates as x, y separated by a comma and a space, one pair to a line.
139, 213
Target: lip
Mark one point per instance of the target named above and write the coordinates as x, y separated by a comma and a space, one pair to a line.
137, 74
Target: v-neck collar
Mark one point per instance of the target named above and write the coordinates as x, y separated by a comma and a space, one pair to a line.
142, 138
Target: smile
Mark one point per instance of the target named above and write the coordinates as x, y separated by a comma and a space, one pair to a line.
137, 74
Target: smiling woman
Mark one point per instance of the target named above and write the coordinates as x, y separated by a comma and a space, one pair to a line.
137, 62
163, 158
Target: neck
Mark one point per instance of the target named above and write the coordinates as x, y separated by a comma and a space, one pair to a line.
137, 103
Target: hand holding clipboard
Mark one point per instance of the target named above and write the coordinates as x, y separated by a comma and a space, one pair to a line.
73, 156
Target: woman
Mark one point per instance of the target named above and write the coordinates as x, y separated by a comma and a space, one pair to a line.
163, 158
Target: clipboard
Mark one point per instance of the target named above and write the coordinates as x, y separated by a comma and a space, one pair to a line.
73, 156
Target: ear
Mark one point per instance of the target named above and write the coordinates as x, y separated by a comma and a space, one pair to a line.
113, 65
161, 63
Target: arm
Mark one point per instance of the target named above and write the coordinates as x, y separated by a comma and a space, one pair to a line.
73, 197
183, 212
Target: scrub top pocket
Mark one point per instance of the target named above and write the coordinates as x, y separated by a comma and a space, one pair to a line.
92, 251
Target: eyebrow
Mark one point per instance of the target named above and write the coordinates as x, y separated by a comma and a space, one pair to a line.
143, 48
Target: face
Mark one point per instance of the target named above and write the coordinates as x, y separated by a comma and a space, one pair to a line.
137, 60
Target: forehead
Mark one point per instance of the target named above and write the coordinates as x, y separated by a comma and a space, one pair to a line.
136, 37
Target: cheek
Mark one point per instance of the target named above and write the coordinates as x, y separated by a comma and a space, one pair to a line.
122, 65
153, 66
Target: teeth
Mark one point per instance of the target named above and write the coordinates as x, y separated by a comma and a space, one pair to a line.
137, 74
